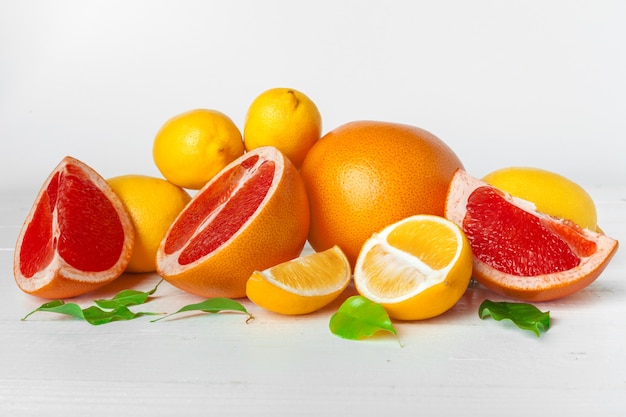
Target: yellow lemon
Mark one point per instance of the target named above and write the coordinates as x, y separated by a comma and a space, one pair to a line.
417, 268
284, 118
192, 147
153, 204
551, 193
301, 285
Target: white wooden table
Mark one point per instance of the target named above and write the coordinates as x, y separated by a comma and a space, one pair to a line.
202, 364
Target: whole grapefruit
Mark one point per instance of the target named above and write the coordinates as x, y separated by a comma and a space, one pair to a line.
365, 175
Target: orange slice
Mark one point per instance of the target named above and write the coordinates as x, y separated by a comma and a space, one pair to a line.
77, 237
252, 215
417, 268
301, 285
520, 252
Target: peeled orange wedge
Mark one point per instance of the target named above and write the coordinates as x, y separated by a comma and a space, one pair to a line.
520, 252
301, 285
77, 237
417, 268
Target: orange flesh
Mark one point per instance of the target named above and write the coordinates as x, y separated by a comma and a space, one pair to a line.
90, 235
229, 208
409, 237
516, 242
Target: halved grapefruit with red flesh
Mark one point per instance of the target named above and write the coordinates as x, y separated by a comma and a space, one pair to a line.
253, 215
77, 237
519, 252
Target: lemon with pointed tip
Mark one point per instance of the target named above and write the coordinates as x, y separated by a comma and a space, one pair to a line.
284, 118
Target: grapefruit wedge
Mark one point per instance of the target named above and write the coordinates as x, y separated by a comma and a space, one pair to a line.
77, 237
252, 215
519, 252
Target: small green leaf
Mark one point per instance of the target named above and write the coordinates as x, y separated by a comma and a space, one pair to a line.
127, 298
59, 306
92, 315
213, 305
359, 317
523, 315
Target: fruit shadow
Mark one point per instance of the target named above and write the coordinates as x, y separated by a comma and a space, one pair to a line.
126, 281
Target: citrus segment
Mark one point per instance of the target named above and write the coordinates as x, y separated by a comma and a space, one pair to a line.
409, 237
520, 252
77, 237
252, 215
235, 208
366, 175
416, 268
153, 204
526, 257
301, 285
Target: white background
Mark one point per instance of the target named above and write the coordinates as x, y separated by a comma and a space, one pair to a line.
536, 83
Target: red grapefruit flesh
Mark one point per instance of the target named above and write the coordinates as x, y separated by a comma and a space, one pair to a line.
77, 237
519, 252
253, 215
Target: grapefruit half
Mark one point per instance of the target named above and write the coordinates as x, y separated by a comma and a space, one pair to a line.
77, 236
252, 215
522, 253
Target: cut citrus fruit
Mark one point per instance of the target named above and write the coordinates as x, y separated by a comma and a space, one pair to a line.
520, 252
252, 215
301, 285
77, 237
417, 268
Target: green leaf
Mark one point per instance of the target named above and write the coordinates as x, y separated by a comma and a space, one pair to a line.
213, 305
358, 318
127, 298
92, 315
523, 315
59, 306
